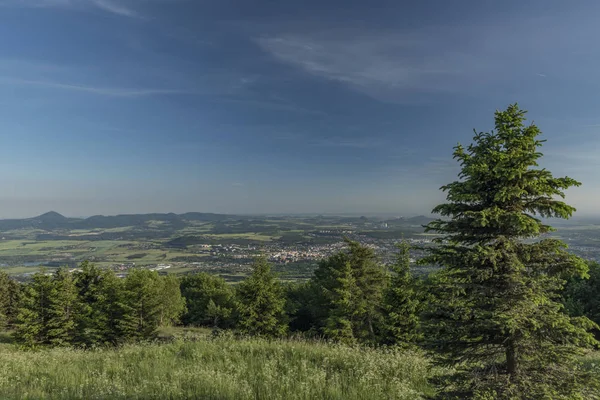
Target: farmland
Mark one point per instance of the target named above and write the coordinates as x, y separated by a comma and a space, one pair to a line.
220, 244
181, 244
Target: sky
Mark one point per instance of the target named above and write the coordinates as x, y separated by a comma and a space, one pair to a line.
264, 106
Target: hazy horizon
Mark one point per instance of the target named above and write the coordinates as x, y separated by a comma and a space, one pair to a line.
238, 107
576, 217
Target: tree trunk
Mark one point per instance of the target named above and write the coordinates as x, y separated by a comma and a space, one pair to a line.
511, 359
370, 326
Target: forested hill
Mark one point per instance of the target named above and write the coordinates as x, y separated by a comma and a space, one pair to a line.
53, 220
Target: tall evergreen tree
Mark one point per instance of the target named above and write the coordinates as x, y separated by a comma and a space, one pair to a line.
370, 281
199, 290
105, 310
91, 321
402, 303
340, 293
144, 296
350, 287
35, 310
260, 302
9, 298
118, 312
63, 306
497, 315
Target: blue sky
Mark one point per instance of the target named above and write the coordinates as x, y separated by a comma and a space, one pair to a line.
230, 106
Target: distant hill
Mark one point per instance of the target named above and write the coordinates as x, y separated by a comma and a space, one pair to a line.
48, 221
52, 216
55, 221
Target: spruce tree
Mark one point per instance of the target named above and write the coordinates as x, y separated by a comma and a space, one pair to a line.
199, 290
105, 313
370, 281
350, 287
143, 291
34, 313
91, 321
260, 302
402, 303
497, 315
9, 292
119, 320
340, 295
63, 306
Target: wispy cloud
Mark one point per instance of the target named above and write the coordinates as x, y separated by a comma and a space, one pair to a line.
118, 8
114, 8
469, 58
104, 91
378, 63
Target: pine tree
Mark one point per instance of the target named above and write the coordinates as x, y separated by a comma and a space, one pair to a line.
62, 308
260, 302
143, 291
199, 290
91, 321
119, 320
105, 314
340, 295
31, 328
370, 281
350, 287
9, 290
496, 315
402, 303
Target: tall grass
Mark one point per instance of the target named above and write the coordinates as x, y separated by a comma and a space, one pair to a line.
214, 369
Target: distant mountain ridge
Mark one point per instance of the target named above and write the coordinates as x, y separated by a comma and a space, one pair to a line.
54, 221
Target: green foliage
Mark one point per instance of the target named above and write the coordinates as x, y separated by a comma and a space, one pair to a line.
260, 302
350, 288
9, 298
91, 314
340, 294
143, 291
104, 315
582, 295
47, 310
402, 303
93, 307
35, 311
63, 304
199, 290
172, 304
299, 306
496, 312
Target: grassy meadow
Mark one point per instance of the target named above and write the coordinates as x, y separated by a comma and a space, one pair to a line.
215, 369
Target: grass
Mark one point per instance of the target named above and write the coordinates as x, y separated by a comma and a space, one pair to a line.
214, 369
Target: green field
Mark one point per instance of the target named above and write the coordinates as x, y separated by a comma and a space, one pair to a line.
215, 369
